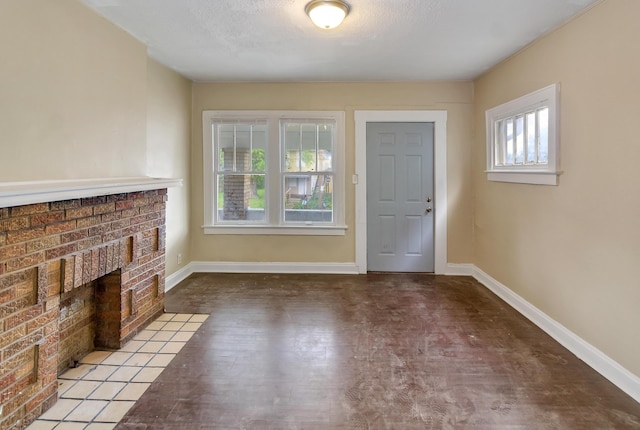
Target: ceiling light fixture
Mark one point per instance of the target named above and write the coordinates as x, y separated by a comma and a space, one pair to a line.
327, 13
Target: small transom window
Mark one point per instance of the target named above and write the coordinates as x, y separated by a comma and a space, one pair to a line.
522, 142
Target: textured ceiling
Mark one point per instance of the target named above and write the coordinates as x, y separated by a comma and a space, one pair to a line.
380, 40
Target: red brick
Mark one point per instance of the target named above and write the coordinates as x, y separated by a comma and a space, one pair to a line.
24, 262
14, 279
12, 251
135, 196
138, 219
16, 347
111, 217
29, 209
7, 380
141, 202
78, 270
116, 197
42, 320
86, 267
120, 224
95, 263
102, 266
13, 334
12, 224
128, 213
162, 237
147, 209
52, 302
113, 235
74, 236
61, 251
89, 242
65, 204
48, 218
25, 235
88, 222
104, 208
80, 212
54, 276
43, 276
127, 204
99, 230
60, 227
23, 316
43, 243
66, 273
92, 201
8, 294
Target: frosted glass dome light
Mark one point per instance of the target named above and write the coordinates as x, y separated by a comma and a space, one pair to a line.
327, 14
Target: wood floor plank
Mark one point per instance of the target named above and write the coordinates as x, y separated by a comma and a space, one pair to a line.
376, 351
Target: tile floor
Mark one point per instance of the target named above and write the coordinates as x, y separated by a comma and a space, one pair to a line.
100, 391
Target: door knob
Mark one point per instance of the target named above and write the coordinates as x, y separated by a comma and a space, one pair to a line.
429, 209
428, 199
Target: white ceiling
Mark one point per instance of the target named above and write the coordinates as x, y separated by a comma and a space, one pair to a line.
380, 40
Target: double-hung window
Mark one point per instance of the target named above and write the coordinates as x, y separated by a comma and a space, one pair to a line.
274, 172
522, 139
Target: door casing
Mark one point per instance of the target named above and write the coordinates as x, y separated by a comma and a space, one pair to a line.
439, 118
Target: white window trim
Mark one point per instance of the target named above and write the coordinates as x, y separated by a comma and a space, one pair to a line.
527, 174
337, 228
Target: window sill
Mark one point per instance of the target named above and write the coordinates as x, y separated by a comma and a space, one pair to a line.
301, 230
522, 177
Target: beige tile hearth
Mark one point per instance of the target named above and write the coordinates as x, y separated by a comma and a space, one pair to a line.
105, 385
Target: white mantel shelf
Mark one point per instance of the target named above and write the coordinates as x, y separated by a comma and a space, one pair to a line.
26, 193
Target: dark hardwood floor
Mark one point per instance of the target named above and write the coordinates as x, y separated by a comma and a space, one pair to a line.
377, 351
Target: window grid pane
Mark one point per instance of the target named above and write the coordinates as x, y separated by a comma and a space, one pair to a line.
519, 122
240, 197
307, 147
522, 139
543, 136
531, 138
237, 145
509, 143
308, 198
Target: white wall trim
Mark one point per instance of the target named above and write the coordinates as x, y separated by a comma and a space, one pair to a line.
457, 269
263, 267
439, 118
176, 277
27, 193
600, 362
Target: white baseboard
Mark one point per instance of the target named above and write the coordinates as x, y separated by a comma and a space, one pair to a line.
600, 362
176, 277
257, 267
264, 267
457, 269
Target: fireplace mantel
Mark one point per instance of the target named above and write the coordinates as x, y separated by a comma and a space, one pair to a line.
26, 193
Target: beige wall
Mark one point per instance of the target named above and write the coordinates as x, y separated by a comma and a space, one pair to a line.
455, 97
169, 152
75, 94
72, 94
571, 250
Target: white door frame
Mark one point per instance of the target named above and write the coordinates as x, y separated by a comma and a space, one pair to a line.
439, 118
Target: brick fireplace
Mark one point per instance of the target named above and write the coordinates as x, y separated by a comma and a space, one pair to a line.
75, 275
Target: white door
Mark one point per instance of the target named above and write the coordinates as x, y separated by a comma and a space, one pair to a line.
400, 201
